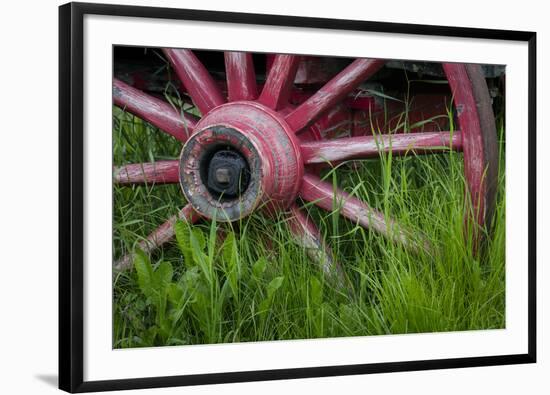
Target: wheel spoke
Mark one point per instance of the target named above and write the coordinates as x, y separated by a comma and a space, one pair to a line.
161, 172
309, 237
322, 194
280, 80
240, 75
364, 147
332, 92
198, 82
153, 110
158, 237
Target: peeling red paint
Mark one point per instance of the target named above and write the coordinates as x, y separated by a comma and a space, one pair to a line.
240, 75
153, 110
332, 92
322, 194
202, 88
161, 172
270, 147
280, 80
475, 160
364, 147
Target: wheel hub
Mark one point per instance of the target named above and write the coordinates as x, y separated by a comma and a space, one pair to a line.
228, 174
242, 157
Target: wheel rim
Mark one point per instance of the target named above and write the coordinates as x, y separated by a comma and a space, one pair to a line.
477, 126
282, 145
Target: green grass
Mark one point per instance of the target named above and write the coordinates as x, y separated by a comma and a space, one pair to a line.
249, 281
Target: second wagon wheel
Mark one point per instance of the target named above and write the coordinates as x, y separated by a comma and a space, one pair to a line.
248, 150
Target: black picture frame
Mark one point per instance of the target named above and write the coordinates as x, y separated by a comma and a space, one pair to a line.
71, 198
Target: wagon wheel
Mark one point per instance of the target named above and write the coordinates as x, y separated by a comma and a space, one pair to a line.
246, 152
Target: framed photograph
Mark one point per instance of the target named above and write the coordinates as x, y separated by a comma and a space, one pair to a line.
257, 197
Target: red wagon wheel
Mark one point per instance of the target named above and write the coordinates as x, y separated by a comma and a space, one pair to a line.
251, 149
